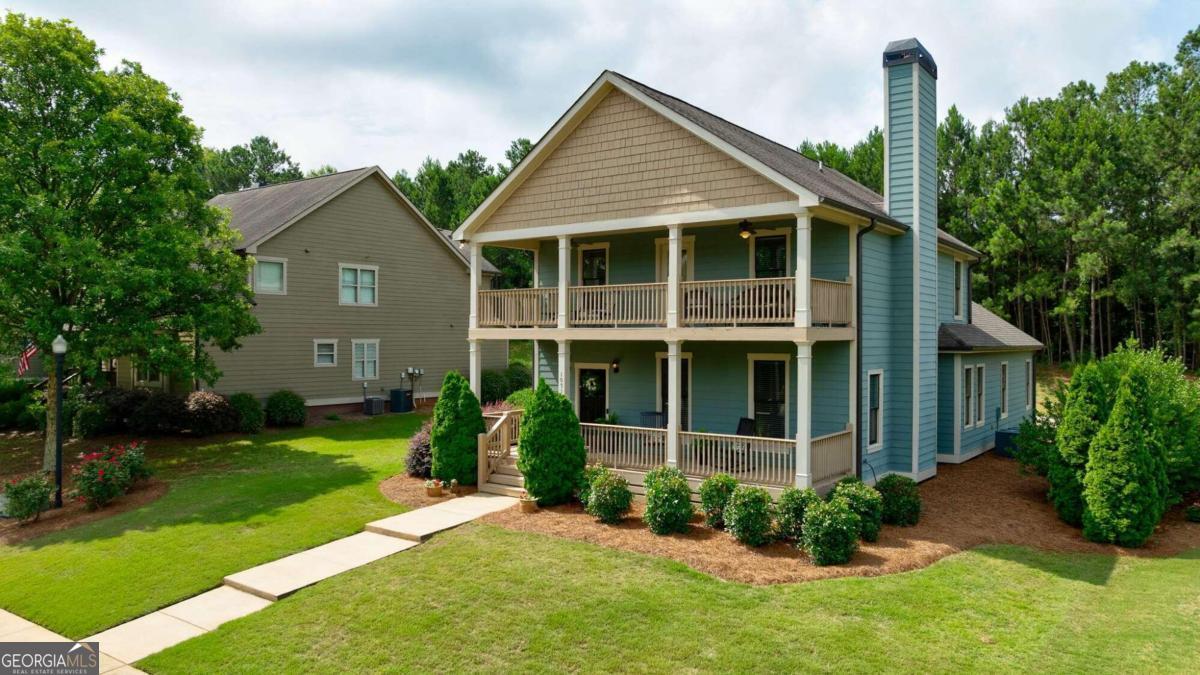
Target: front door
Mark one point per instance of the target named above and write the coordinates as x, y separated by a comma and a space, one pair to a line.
685, 376
770, 398
593, 394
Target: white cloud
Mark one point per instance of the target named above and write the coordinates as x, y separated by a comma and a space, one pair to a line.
381, 83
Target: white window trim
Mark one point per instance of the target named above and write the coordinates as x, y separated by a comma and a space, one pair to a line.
321, 341
357, 266
877, 446
687, 245
658, 358
1029, 384
149, 384
1005, 391
607, 382
980, 393
968, 420
378, 359
787, 386
787, 247
960, 300
254, 276
596, 246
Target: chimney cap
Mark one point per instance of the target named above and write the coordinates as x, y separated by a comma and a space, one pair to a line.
909, 51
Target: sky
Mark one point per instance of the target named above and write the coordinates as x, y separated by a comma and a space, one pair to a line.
362, 82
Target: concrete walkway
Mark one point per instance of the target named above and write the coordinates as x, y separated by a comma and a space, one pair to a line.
251, 590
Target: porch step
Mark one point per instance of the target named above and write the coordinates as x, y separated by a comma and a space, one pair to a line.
508, 469
508, 479
497, 489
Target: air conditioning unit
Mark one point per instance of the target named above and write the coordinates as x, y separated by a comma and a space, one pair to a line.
373, 405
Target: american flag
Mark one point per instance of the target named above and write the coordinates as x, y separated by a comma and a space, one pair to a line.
26, 354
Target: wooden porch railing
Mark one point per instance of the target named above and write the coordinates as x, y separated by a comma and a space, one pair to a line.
495, 444
618, 304
750, 459
622, 447
519, 307
832, 302
738, 301
832, 456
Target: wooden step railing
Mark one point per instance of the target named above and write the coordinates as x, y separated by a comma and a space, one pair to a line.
750, 459
618, 305
832, 456
518, 307
495, 444
621, 447
832, 302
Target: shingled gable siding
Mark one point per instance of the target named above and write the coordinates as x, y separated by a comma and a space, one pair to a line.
420, 320
623, 161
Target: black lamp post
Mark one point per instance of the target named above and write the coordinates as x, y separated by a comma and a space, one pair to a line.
59, 347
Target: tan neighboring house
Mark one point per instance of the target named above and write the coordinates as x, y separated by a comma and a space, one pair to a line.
353, 287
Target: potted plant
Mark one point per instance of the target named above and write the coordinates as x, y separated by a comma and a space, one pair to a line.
433, 488
454, 488
528, 503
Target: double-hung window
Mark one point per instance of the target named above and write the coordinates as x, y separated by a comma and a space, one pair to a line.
359, 284
1004, 389
324, 353
968, 396
979, 389
874, 410
366, 359
270, 276
958, 289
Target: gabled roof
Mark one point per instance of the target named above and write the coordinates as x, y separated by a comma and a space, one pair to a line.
261, 213
986, 333
950, 241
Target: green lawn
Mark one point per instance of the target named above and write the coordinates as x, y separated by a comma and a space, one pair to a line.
485, 599
231, 505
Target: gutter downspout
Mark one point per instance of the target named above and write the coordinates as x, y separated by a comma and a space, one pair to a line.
858, 332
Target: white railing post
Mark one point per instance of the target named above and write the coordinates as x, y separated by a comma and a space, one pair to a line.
476, 366
476, 266
673, 403
564, 277
674, 248
803, 270
803, 414
564, 368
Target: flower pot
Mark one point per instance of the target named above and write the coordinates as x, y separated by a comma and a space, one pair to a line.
434, 491
529, 506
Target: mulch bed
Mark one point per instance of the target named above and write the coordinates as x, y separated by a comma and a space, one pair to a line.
984, 501
404, 489
74, 513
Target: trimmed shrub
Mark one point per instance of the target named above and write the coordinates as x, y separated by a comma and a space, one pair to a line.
160, 413
714, 495
210, 413
494, 386
521, 399
91, 419
1192, 513
519, 377
585, 484
1083, 414
419, 462
901, 500
790, 510
830, 532
250, 416
28, 497
1125, 487
609, 497
121, 405
668, 501
552, 456
1035, 441
748, 515
286, 409
132, 458
866, 503
453, 438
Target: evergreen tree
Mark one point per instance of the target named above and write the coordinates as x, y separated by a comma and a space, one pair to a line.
552, 457
454, 438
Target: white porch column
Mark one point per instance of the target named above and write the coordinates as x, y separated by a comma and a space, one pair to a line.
803, 414
476, 266
674, 247
564, 278
673, 402
476, 367
536, 359
853, 275
803, 270
564, 368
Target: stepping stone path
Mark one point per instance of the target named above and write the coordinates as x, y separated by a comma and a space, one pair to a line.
251, 590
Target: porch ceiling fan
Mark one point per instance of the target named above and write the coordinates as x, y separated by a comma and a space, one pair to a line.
745, 229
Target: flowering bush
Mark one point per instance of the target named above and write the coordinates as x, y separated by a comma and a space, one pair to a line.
104, 475
28, 497
420, 459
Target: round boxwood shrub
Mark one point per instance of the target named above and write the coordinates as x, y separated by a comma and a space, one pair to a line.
790, 510
585, 484
668, 501
748, 515
160, 413
28, 497
866, 503
901, 499
714, 495
552, 456
454, 436
250, 415
521, 399
609, 497
121, 405
210, 413
830, 532
419, 462
286, 409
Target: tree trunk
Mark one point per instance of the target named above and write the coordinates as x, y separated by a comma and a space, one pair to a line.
1092, 328
51, 415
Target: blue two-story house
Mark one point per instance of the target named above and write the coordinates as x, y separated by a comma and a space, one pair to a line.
712, 300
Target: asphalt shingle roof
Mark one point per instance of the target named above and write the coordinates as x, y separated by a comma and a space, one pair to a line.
986, 332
